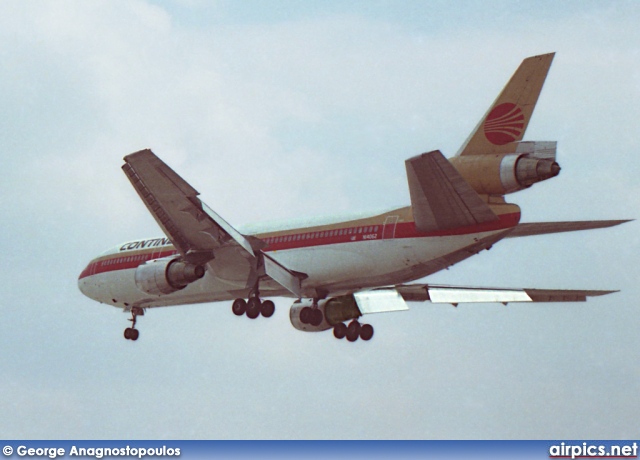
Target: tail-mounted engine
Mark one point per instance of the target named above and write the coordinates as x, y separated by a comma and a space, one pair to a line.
499, 174
164, 276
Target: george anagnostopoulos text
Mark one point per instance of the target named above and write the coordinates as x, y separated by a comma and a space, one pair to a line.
99, 452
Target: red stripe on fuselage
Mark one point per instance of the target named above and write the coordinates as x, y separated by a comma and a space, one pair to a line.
297, 239
376, 232
123, 261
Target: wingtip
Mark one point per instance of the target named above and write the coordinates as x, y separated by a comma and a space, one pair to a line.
137, 154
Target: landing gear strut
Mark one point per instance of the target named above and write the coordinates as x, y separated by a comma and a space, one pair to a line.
131, 333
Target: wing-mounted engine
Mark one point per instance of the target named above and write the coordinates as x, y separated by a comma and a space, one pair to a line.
165, 276
335, 311
499, 174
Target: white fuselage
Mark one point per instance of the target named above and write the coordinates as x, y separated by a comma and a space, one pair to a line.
338, 257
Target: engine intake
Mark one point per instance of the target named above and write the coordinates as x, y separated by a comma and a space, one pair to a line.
165, 276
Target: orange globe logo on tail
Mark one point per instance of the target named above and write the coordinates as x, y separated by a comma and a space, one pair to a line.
504, 124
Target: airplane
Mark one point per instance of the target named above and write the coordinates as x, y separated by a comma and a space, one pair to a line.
340, 269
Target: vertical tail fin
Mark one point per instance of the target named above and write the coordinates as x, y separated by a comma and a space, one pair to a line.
506, 120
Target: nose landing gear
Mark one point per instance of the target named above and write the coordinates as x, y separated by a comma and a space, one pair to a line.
131, 333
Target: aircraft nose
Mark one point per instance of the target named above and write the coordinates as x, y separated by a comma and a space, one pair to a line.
84, 284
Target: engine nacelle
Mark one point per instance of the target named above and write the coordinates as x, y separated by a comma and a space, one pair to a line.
498, 174
164, 276
334, 310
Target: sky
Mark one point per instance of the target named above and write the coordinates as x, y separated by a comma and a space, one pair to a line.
286, 109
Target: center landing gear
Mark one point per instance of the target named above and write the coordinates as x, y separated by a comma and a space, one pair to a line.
131, 333
353, 331
253, 308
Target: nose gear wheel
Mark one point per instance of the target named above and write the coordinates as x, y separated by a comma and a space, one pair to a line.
131, 333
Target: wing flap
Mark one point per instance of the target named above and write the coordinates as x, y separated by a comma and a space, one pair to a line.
467, 295
379, 301
288, 279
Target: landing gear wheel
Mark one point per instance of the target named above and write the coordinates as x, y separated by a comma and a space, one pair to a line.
316, 317
340, 331
366, 332
267, 308
253, 308
239, 306
305, 315
353, 331
131, 333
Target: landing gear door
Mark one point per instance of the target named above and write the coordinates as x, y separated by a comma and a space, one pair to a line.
389, 227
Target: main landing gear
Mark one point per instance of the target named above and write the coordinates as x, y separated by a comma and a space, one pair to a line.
352, 331
131, 333
253, 308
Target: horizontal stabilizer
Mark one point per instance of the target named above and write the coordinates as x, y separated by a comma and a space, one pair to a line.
541, 228
462, 294
379, 301
440, 198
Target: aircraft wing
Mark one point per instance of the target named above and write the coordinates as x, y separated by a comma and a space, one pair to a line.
541, 228
461, 294
195, 230
191, 225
